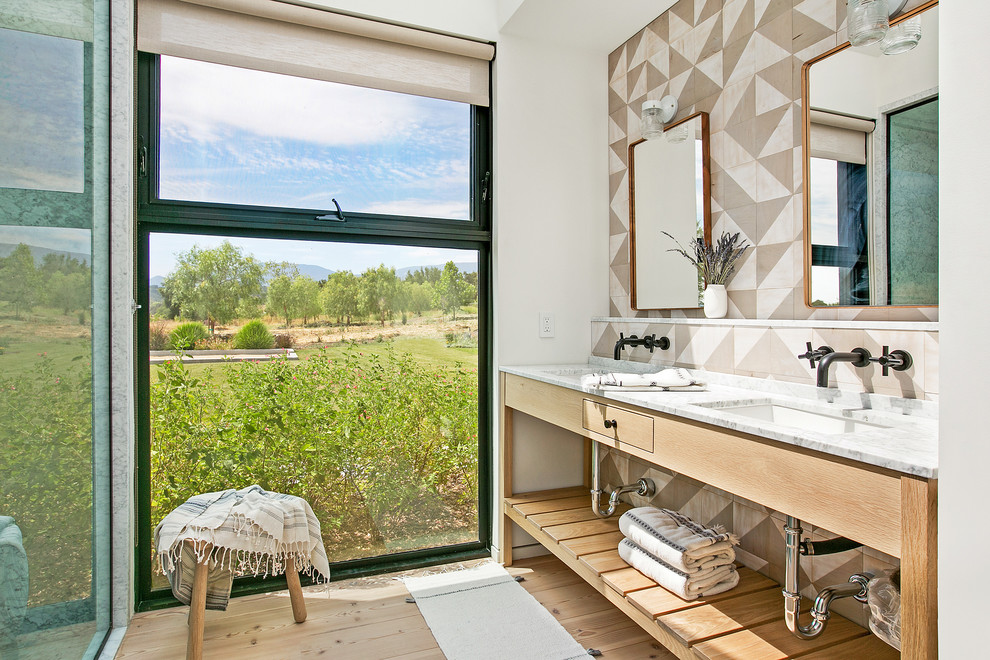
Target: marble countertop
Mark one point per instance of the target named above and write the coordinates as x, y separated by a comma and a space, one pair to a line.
907, 442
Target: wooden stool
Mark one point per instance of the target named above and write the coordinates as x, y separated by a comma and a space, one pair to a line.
197, 604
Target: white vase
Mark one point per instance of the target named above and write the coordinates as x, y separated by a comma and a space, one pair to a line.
716, 301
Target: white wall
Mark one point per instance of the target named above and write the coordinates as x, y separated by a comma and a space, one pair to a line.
964, 313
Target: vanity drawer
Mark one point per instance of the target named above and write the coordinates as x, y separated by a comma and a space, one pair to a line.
625, 426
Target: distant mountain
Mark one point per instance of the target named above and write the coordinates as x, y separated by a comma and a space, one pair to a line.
316, 272
39, 253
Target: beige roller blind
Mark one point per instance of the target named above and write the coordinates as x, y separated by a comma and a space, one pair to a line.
838, 137
283, 38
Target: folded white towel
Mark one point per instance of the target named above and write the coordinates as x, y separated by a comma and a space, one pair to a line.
689, 587
677, 540
672, 377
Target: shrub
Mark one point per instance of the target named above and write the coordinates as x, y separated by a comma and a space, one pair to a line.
184, 337
254, 334
158, 337
214, 342
283, 341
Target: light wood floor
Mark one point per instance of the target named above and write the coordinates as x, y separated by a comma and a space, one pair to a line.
370, 619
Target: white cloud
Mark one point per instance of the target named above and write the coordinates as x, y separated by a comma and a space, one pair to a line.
203, 102
422, 208
54, 238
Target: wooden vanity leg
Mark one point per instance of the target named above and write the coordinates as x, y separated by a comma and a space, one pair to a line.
919, 564
505, 478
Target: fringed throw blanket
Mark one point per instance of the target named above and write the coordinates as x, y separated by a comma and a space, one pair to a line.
678, 540
240, 531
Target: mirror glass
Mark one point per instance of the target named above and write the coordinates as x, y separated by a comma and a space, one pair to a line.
871, 174
669, 191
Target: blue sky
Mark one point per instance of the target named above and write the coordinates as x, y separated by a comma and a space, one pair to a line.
249, 137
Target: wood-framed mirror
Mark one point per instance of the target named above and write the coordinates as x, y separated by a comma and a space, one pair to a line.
870, 130
669, 191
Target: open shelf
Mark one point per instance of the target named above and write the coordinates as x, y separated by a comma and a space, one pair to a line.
746, 623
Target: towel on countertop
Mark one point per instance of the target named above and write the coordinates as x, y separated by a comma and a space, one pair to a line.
249, 531
677, 540
666, 378
713, 580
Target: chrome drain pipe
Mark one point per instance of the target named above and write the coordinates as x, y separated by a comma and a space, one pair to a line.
644, 487
856, 587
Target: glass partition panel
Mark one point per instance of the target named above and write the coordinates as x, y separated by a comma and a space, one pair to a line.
54, 401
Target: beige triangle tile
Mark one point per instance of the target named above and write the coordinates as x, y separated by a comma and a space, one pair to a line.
615, 132
617, 243
633, 129
617, 66
615, 163
775, 221
768, 126
634, 50
656, 81
616, 224
660, 26
636, 80
677, 24
732, 105
661, 61
652, 44
811, 39
737, 19
679, 87
752, 350
742, 303
726, 152
678, 62
615, 102
765, 11
705, 9
769, 186
820, 11
711, 67
700, 42
769, 301
768, 98
615, 182
745, 63
775, 265
767, 52
617, 287
620, 86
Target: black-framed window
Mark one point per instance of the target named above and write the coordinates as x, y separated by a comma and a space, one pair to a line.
222, 173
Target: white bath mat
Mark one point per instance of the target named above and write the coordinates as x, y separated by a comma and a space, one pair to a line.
482, 613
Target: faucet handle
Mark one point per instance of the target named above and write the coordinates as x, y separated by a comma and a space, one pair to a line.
814, 355
897, 360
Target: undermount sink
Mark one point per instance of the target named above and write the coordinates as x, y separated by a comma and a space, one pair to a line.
799, 418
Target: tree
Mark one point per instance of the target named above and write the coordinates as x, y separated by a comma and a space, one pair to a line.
68, 292
451, 291
280, 298
419, 297
341, 296
424, 275
306, 294
19, 280
212, 284
378, 290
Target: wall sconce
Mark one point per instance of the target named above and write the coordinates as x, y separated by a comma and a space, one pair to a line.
656, 114
868, 22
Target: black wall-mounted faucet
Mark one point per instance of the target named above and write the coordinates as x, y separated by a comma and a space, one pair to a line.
649, 341
897, 360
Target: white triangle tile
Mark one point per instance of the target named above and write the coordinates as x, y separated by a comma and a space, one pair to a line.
678, 27
661, 60
768, 300
651, 44
676, 86
768, 186
692, 43
782, 137
712, 68
822, 11
615, 286
784, 229
620, 203
726, 152
615, 243
615, 164
731, 14
769, 98
760, 8
781, 275
639, 89
633, 129
621, 68
746, 66
614, 132
768, 53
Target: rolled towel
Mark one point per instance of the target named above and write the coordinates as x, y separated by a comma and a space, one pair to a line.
689, 587
672, 377
677, 540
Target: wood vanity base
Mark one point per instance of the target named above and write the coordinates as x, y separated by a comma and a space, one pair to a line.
742, 624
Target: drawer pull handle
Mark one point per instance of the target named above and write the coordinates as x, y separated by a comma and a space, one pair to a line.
611, 424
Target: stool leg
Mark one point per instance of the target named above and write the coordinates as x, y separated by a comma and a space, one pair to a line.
295, 591
197, 610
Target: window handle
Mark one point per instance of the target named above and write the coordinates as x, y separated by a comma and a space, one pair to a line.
336, 218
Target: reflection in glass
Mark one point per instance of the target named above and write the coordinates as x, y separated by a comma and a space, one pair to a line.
237, 136
373, 415
41, 112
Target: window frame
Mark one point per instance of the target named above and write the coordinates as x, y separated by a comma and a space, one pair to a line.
155, 215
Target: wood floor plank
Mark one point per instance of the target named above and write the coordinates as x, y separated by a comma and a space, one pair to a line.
591, 544
601, 562
697, 624
867, 646
649, 649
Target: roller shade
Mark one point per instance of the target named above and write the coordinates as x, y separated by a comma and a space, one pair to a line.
838, 137
274, 36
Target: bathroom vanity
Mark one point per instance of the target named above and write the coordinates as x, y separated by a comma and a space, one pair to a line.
860, 466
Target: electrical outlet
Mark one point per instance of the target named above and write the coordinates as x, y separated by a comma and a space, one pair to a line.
546, 324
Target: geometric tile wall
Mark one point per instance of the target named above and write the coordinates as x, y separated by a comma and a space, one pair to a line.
740, 61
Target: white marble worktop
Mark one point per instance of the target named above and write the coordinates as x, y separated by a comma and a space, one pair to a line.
909, 445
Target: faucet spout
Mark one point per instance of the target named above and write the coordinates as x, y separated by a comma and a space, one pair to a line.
649, 341
858, 357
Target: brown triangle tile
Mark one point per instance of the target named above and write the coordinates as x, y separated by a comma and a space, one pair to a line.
678, 63
704, 85
619, 117
615, 102
633, 77
743, 300
705, 9
654, 80
765, 126
621, 256
684, 10
732, 53
713, 44
604, 345
616, 62
744, 133
779, 31
634, 58
737, 21
615, 224
727, 193
781, 166
767, 258
615, 182
744, 218
773, 9
661, 27
806, 31
767, 214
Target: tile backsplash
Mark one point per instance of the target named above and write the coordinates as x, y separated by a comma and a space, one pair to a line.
740, 61
769, 349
